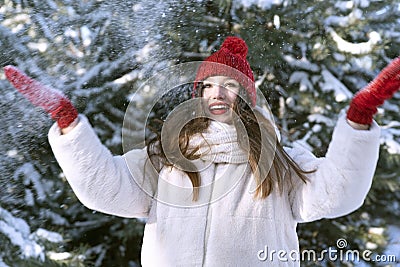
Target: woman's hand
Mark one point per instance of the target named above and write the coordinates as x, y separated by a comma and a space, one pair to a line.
51, 100
70, 127
364, 104
358, 126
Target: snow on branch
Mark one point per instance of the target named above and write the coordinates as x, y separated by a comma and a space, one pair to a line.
302, 78
18, 231
389, 137
262, 4
356, 48
331, 83
2, 263
30, 175
303, 63
344, 21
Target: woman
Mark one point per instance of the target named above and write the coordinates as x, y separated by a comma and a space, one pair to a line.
230, 195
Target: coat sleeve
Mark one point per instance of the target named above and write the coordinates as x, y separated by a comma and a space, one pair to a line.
116, 185
342, 178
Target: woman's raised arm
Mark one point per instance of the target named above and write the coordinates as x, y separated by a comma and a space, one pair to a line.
344, 176
118, 185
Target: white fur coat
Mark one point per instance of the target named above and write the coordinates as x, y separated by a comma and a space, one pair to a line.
227, 226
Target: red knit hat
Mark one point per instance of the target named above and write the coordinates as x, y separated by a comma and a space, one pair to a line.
229, 60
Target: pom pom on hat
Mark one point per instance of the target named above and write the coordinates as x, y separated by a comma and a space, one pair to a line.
236, 46
229, 60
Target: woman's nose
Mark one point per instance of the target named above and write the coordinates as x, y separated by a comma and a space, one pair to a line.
219, 92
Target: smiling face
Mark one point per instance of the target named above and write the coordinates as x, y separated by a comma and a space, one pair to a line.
220, 94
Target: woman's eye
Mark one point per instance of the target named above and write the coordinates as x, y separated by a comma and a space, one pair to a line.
231, 85
207, 85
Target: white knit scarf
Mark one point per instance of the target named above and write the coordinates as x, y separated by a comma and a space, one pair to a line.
219, 144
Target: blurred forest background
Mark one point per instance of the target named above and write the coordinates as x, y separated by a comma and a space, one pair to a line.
309, 58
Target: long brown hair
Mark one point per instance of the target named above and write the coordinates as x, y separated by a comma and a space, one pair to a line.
271, 166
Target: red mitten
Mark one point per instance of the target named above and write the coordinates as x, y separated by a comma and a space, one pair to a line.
51, 100
365, 102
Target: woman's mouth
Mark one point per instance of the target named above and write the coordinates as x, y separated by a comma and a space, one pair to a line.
218, 108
